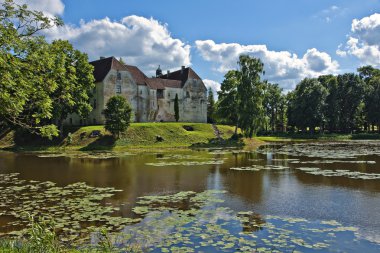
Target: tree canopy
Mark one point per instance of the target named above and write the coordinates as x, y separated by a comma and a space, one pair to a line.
118, 114
40, 82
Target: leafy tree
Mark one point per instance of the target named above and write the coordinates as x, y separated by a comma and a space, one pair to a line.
250, 95
351, 90
241, 96
210, 106
272, 102
25, 69
227, 106
307, 104
371, 77
118, 115
176, 108
75, 82
331, 110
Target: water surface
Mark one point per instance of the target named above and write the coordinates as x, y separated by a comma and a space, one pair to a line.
314, 182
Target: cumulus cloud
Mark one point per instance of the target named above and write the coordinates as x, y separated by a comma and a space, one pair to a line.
281, 67
364, 40
49, 7
143, 42
214, 85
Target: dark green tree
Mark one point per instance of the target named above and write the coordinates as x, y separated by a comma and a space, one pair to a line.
272, 102
307, 103
176, 108
351, 90
371, 76
210, 106
331, 109
227, 106
118, 115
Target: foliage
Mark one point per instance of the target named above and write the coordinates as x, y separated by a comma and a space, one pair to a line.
118, 115
227, 107
25, 67
307, 103
274, 105
40, 83
241, 96
210, 106
176, 108
75, 82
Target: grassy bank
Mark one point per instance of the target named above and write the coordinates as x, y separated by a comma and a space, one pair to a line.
138, 136
298, 137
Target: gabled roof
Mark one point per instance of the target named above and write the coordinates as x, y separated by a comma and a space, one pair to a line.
137, 74
103, 66
160, 84
175, 79
182, 75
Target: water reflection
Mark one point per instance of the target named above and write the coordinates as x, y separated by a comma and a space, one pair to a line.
289, 192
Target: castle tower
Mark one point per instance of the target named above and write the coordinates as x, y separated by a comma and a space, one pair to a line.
159, 71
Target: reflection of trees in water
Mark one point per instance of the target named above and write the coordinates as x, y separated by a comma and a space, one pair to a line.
251, 222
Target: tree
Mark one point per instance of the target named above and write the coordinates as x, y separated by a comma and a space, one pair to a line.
351, 90
176, 108
118, 115
331, 110
272, 102
371, 77
307, 104
241, 96
227, 106
250, 91
210, 106
25, 69
75, 82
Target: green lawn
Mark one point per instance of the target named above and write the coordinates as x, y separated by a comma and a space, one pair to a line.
138, 135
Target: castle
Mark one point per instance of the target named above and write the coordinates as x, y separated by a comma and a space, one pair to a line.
151, 99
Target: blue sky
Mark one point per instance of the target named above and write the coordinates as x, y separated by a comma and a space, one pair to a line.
295, 39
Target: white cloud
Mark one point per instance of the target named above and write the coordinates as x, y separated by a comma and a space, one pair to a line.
143, 42
49, 7
215, 86
364, 40
281, 67
330, 13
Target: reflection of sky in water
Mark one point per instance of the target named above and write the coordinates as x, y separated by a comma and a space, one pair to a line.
282, 191
216, 228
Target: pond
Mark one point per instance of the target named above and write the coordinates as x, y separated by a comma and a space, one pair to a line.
304, 197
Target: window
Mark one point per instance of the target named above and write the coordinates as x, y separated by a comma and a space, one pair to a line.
140, 92
71, 121
94, 121
118, 88
118, 76
187, 94
94, 106
94, 90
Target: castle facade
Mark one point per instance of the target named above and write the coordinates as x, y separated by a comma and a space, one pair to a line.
151, 99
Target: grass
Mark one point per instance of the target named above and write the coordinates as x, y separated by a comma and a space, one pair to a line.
138, 136
300, 137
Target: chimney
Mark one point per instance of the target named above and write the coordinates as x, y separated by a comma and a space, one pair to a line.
182, 69
102, 57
